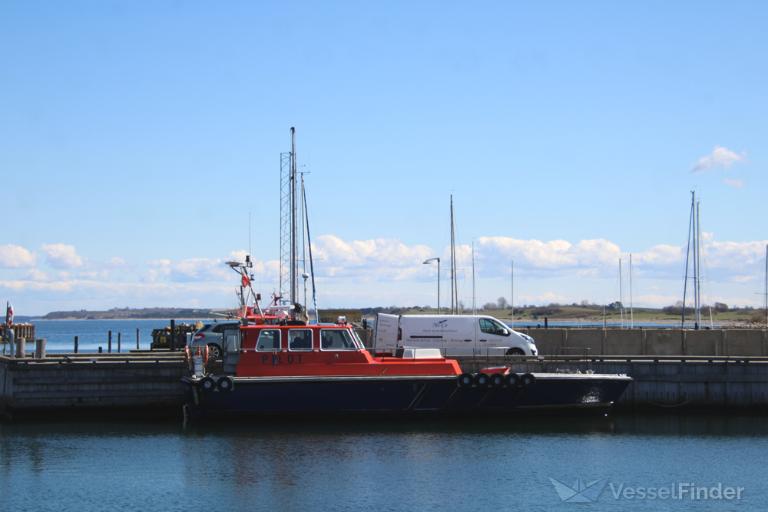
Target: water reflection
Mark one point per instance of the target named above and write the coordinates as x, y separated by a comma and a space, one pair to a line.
415, 464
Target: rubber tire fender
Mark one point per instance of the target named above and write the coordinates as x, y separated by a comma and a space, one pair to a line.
225, 383
207, 384
497, 380
465, 380
512, 380
481, 380
527, 380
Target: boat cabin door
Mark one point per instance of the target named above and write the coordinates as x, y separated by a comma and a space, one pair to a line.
231, 348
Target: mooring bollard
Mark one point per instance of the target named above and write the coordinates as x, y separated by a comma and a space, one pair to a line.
109, 342
21, 347
137, 338
40, 348
77, 342
99, 349
172, 341
119, 341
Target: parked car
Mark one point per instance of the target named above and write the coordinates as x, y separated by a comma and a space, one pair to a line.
212, 336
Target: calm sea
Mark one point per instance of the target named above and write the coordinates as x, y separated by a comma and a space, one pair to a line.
488, 465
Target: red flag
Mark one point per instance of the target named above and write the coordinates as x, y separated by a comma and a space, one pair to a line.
9, 315
245, 281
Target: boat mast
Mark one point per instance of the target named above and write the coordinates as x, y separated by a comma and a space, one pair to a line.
474, 305
697, 266
309, 247
621, 296
294, 265
631, 296
687, 256
512, 292
454, 286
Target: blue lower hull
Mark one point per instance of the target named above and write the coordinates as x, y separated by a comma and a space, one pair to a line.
406, 395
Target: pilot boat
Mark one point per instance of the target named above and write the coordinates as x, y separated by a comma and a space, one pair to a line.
277, 363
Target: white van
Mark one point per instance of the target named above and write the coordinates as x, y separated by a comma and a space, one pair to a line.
454, 335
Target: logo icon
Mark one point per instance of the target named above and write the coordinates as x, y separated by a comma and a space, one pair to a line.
579, 492
440, 323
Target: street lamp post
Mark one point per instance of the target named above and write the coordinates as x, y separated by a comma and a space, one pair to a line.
427, 262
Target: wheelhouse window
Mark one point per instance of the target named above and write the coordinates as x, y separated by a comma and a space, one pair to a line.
268, 341
489, 326
300, 339
336, 339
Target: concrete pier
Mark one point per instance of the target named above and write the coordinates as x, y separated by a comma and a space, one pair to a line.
71, 384
659, 342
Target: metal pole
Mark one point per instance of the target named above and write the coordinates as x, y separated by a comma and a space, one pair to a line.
474, 305
137, 338
172, 341
77, 342
698, 267
687, 255
631, 303
438, 284
512, 292
621, 297
109, 342
119, 341
293, 215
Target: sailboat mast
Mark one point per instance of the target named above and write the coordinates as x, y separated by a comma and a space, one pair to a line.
512, 291
631, 301
766, 285
697, 245
621, 296
687, 256
454, 287
293, 217
474, 304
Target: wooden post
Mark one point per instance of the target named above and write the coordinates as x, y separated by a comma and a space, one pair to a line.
172, 341
109, 342
119, 341
77, 342
137, 338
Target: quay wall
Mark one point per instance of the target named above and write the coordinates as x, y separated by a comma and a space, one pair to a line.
661, 342
100, 383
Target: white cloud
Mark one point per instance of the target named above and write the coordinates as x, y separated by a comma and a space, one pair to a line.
62, 256
15, 256
719, 157
117, 261
385, 257
553, 254
734, 183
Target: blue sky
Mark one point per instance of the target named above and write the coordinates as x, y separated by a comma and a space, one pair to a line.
136, 137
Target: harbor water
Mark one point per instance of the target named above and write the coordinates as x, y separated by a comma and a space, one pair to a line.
60, 334
704, 463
